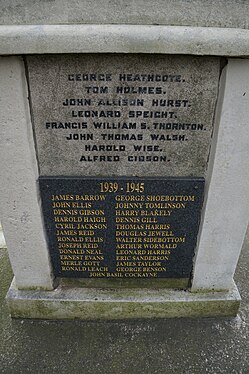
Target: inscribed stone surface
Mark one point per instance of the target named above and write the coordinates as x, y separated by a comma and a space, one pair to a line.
123, 115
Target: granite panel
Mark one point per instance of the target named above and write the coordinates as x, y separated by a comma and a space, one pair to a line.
122, 228
123, 115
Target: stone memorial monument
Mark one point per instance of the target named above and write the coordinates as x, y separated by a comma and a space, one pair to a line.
124, 149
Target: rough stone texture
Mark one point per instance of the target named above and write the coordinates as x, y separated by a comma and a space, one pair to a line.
20, 208
2, 240
94, 304
226, 213
49, 87
32, 39
208, 13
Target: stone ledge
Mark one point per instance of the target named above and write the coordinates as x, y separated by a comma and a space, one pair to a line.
94, 304
42, 39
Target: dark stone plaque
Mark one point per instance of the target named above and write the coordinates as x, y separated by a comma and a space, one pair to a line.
122, 227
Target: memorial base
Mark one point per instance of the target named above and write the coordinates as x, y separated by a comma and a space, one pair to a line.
97, 303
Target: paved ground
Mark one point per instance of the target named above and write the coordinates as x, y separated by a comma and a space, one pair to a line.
149, 346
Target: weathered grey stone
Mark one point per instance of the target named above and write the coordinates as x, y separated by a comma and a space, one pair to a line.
202, 41
2, 240
20, 205
98, 303
209, 13
225, 216
191, 85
